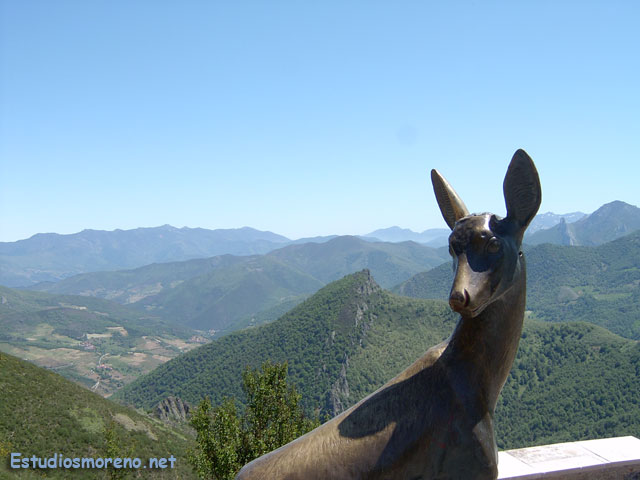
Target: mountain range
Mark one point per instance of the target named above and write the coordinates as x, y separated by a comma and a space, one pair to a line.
50, 257
609, 222
227, 293
543, 221
230, 292
570, 381
342, 336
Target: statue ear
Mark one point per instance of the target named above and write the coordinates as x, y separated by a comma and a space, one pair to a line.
522, 192
451, 206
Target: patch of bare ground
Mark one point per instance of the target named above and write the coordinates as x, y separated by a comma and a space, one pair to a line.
130, 425
120, 330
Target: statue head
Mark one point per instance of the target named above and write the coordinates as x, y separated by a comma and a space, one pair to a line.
486, 248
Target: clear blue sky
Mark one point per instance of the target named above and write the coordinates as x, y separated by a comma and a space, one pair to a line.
308, 118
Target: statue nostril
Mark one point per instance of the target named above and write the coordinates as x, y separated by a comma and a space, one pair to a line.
457, 300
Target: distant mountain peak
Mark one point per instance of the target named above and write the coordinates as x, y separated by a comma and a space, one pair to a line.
547, 220
395, 234
618, 203
616, 207
612, 220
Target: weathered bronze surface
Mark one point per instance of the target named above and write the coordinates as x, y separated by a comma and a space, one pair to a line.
435, 419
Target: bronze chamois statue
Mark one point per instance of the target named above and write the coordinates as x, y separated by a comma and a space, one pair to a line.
435, 420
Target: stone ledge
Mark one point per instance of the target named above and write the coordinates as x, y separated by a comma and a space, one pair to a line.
602, 459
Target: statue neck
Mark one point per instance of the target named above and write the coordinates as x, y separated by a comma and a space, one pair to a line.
482, 349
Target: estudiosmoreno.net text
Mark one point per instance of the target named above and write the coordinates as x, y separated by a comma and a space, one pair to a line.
18, 461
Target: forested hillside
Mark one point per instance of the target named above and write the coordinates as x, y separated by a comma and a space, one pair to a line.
351, 337
338, 343
42, 414
599, 284
332, 260
570, 381
130, 286
229, 297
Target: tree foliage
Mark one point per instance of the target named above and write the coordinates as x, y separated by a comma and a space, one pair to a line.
225, 440
115, 448
218, 438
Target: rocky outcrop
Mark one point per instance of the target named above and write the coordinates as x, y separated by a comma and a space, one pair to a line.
339, 393
567, 235
369, 286
172, 409
360, 321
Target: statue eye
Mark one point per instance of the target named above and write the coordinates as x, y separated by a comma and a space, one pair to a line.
494, 245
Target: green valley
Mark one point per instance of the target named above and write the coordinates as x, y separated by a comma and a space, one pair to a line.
95, 342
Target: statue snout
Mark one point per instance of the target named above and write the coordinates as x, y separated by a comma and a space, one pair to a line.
459, 300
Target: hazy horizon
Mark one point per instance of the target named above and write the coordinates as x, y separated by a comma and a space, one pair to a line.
443, 227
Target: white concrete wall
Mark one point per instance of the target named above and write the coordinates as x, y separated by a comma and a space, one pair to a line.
603, 459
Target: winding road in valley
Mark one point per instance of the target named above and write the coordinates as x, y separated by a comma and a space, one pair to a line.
95, 387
